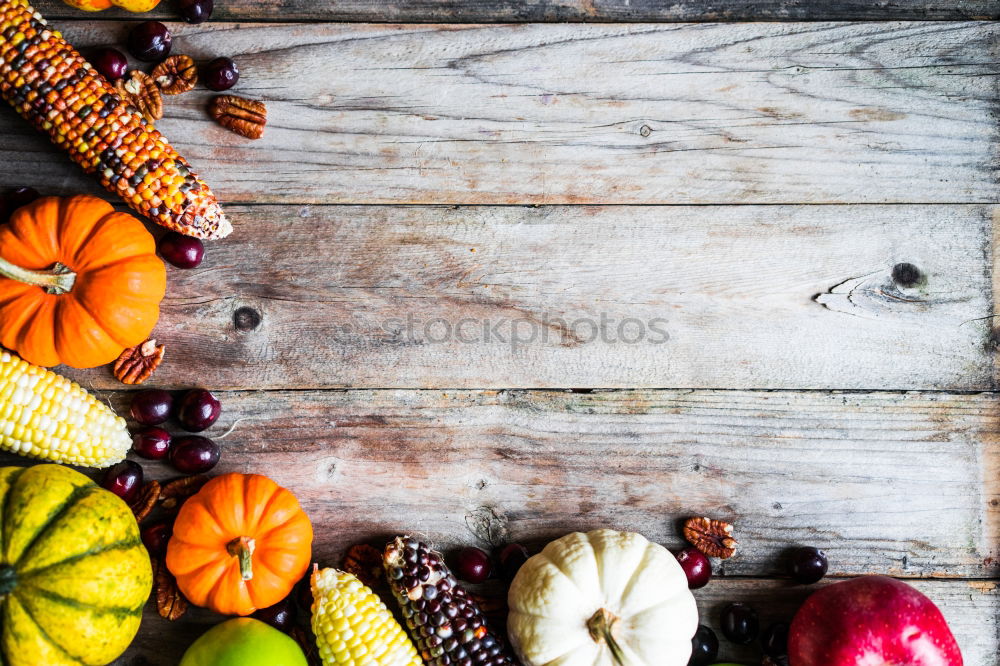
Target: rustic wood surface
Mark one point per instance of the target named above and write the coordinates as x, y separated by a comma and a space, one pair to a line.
701, 296
447, 11
464, 443
626, 114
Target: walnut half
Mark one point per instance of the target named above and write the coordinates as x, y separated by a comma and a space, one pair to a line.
712, 537
136, 364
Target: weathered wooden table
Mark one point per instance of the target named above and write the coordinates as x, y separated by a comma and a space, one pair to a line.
502, 281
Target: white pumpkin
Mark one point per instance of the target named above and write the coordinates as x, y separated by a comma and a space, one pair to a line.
603, 598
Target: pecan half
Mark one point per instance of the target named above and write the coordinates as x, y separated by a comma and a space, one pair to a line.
170, 603
173, 493
145, 501
365, 562
139, 90
245, 117
136, 364
175, 75
712, 537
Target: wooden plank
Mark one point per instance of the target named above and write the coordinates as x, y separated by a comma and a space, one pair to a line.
579, 296
901, 484
670, 114
969, 606
482, 11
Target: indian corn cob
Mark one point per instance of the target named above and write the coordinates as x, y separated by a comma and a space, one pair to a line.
352, 625
447, 626
55, 89
43, 415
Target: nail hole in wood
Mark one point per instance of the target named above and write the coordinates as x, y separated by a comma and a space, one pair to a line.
246, 319
906, 275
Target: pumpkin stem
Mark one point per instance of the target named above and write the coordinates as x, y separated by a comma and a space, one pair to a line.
8, 580
601, 626
57, 280
243, 547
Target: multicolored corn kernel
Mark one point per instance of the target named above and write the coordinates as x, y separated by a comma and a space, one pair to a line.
447, 626
55, 89
352, 625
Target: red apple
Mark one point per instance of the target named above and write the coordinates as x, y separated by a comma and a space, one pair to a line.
871, 621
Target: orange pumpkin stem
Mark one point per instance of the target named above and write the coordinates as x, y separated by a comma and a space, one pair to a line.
58, 280
243, 547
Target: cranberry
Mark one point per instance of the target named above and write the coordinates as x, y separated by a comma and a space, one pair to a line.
473, 565
155, 538
280, 615
193, 454
808, 565
181, 251
704, 647
740, 623
152, 443
198, 410
123, 479
774, 640
195, 11
220, 74
110, 63
697, 567
511, 557
152, 406
14, 199
150, 41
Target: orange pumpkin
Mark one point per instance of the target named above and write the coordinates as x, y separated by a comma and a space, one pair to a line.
79, 282
241, 543
99, 5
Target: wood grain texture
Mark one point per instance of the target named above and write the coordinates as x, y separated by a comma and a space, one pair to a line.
548, 114
574, 297
902, 484
458, 11
970, 608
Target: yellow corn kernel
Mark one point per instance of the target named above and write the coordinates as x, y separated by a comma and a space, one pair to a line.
353, 627
44, 415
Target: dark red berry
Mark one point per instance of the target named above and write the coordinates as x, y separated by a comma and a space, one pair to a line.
220, 74
697, 567
152, 443
180, 250
198, 410
155, 538
152, 406
14, 199
704, 647
195, 11
193, 454
280, 615
739, 623
808, 565
473, 565
150, 41
123, 479
511, 557
774, 640
109, 63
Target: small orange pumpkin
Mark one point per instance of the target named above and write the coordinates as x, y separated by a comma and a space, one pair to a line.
79, 282
241, 543
99, 5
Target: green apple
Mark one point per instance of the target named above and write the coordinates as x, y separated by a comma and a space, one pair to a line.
244, 642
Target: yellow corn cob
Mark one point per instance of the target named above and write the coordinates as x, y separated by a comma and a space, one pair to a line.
43, 415
55, 89
353, 627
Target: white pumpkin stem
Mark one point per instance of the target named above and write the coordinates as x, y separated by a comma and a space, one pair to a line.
58, 280
243, 547
601, 626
